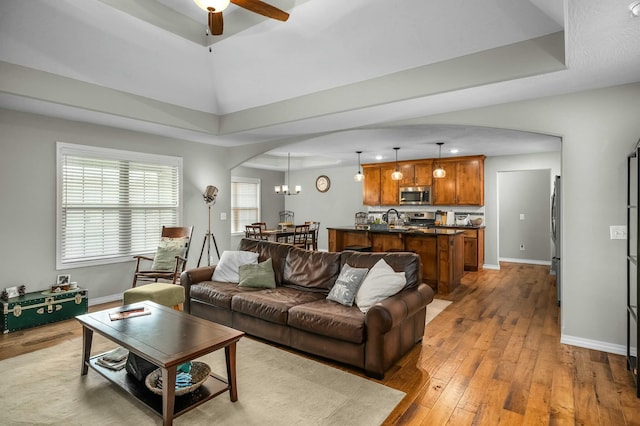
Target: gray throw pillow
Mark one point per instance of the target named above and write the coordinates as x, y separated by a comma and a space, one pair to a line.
346, 286
258, 275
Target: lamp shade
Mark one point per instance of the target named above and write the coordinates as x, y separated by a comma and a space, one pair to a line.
210, 194
216, 5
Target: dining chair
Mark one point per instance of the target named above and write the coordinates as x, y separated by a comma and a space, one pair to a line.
254, 232
312, 237
263, 225
300, 235
286, 216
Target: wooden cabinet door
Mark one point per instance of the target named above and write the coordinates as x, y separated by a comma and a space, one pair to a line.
381, 242
426, 249
423, 173
408, 175
470, 254
469, 182
444, 189
371, 186
388, 187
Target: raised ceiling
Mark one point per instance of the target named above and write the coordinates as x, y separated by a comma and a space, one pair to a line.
335, 78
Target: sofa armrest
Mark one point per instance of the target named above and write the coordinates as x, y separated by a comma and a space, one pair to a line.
194, 276
387, 314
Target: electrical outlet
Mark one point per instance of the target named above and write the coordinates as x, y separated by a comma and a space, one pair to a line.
521, 246
618, 232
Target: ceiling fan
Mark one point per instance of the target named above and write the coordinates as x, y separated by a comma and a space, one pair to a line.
215, 8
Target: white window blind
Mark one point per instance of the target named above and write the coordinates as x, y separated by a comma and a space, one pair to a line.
112, 204
245, 203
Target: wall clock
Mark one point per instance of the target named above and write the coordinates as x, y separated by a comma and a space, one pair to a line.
323, 183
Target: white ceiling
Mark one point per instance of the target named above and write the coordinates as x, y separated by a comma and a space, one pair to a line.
335, 78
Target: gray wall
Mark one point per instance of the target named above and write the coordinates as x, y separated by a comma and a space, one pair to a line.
524, 193
598, 129
28, 194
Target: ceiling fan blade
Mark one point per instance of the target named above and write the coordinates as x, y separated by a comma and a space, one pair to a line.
216, 23
262, 8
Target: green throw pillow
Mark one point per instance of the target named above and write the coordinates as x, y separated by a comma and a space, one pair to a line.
168, 249
258, 275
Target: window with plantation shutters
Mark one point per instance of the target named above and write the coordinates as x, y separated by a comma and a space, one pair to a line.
245, 203
112, 204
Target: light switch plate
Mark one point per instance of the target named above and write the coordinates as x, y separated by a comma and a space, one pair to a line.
223, 216
618, 232
521, 216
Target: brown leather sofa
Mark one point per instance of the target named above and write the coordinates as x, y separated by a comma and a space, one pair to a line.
297, 314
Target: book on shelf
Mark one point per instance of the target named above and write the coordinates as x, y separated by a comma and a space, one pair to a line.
129, 313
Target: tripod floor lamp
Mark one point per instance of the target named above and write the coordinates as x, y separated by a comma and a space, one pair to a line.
209, 196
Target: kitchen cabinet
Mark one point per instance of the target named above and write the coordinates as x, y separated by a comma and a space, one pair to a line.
633, 278
371, 186
416, 174
473, 249
441, 251
463, 183
388, 187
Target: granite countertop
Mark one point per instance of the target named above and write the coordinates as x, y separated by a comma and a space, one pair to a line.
405, 230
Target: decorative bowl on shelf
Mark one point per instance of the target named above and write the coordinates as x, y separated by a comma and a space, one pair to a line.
199, 374
477, 221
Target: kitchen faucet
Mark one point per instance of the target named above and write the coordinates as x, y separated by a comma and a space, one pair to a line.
385, 217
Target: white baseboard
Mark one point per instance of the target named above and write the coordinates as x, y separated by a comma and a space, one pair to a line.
528, 261
105, 299
594, 344
493, 267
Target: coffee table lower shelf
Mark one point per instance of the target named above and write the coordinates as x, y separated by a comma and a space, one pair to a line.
213, 387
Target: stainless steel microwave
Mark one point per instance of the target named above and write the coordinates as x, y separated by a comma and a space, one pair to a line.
415, 195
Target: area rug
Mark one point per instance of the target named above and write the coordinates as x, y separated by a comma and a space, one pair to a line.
435, 307
275, 387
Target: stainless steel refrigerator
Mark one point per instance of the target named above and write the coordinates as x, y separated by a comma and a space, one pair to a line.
556, 263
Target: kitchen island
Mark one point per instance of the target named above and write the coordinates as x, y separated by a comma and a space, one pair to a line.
441, 250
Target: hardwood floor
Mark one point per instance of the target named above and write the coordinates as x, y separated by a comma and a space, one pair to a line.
492, 357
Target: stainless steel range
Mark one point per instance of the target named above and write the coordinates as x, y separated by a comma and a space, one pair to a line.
421, 219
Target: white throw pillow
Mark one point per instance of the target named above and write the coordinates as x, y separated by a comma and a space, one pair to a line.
381, 282
227, 270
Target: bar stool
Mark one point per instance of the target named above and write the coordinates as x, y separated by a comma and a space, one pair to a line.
166, 294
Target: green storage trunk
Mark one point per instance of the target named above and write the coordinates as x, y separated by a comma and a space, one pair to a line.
42, 307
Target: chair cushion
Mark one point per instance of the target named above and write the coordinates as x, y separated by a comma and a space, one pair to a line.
168, 249
162, 293
258, 275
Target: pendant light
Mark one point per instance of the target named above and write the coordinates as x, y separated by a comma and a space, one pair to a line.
397, 174
359, 176
439, 172
284, 189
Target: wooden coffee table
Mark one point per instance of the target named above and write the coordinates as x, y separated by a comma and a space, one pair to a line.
166, 338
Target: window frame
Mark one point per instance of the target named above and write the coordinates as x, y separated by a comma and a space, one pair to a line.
64, 149
258, 182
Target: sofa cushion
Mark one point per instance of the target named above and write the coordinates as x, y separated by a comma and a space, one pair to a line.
257, 276
381, 282
347, 284
227, 269
329, 319
277, 252
311, 270
271, 304
409, 263
216, 293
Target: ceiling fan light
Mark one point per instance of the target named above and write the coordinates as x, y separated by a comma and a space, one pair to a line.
216, 5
